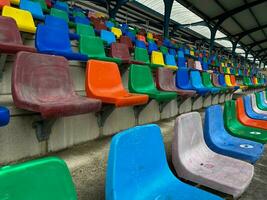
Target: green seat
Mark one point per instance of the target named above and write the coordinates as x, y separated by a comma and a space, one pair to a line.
93, 47
43, 5
141, 55
163, 50
82, 29
42, 179
78, 14
259, 102
206, 79
141, 81
237, 129
248, 82
61, 14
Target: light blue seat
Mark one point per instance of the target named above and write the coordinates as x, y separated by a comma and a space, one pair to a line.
130, 35
81, 20
182, 79
4, 116
107, 37
197, 84
262, 99
138, 169
33, 7
61, 6
152, 46
56, 41
58, 22
170, 60
109, 24
220, 141
181, 59
172, 52
140, 44
249, 110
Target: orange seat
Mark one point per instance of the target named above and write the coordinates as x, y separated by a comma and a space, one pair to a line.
4, 3
234, 83
141, 38
244, 119
103, 81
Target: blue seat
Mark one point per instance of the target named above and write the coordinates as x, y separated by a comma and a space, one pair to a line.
109, 24
124, 28
107, 37
222, 80
220, 141
81, 20
152, 46
187, 52
138, 169
170, 60
58, 22
61, 6
33, 7
181, 59
172, 52
197, 84
182, 79
130, 35
249, 110
140, 44
4, 116
56, 41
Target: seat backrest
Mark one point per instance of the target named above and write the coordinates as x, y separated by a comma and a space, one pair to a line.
215, 80
130, 35
190, 63
33, 7
198, 65
206, 78
182, 78
92, 46
109, 24
139, 150
228, 80
157, 58
4, 3
126, 40
233, 80
81, 20
181, 59
60, 14
222, 80
56, 22
140, 44
172, 52
140, 78
152, 46
164, 78
195, 78
119, 50
42, 179
99, 25
141, 54
164, 49
116, 31
141, 38
61, 6
46, 41
86, 30
107, 36
170, 60
102, 78
39, 78
9, 32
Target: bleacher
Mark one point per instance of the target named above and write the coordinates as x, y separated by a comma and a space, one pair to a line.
72, 75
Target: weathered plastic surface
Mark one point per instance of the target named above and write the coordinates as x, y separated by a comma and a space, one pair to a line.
182, 79
33, 7
196, 81
126, 40
194, 161
250, 112
138, 169
42, 83
165, 82
234, 83
255, 107
4, 116
141, 81
46, 42
247, 121
42, 179
237, 129
215, 82
220, 141
117, 32
103, 81
10, 39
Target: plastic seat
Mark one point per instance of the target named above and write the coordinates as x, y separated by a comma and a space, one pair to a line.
60, 14
260, 101
93, 47
181, 60
198, 65
255, 106
107, 36
109, 24
61, 6
194, 161
131, 36
172, 52
82, 29
126, 40
247, 121
206, 79
81, 20
117, 32
140, 44
158, 60
60, 23
233, 81
42, 83
196, 82
23, 18
47, 43
221, 142
49, 177
33, 7
78, 13
183, 80
215, 82
4, 116
250, 112
15, 2
103, 81
99, 26
43, 5
152, 46
141, 38
10, 39
170, 60
237, 129
164, 50
229, 83
141, 81
4, 3
223, 83
143, 147
165, 82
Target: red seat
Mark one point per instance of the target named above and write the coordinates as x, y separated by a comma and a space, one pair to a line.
10, 39
126, 40
4, 3
42, 83
103, 81
165, 82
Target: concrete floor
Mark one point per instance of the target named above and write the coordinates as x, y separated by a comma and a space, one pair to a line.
87, 164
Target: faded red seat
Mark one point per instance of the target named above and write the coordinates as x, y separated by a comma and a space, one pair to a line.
126, 40
42, 83
10, 38
165, 82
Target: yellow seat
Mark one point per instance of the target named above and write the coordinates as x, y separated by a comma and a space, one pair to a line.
149, 35
23, 18
222, 64
172, 67
228, 80
157, 59
228, 70
15, 2
117, 32
192, 52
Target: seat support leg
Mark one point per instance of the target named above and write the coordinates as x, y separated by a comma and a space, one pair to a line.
43, 128
138, 109
162, 105
3, 58
103, 114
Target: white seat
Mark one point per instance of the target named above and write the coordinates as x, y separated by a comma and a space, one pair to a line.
194, 161
255, 107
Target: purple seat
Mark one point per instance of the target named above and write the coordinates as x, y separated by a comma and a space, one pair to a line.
10, 39
42, 83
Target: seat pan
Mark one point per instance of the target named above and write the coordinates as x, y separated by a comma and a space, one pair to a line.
159, 96
68, 55
108, 59
14, 48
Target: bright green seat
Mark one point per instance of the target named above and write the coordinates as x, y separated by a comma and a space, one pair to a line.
82, 29
43, 5
237, 129
61, 14
206, 80
93, 47
259, 102
42, 179
163, 50
141, 55
141, 81
247, 82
